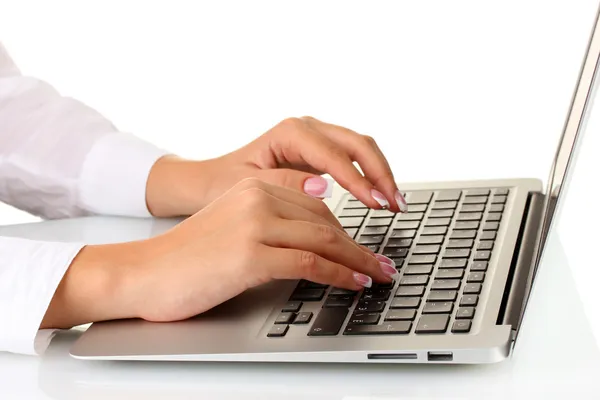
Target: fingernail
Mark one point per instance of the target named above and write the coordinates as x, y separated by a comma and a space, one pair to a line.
362, 279
401, 201
388, 269
384, 259
380, 198
318, 187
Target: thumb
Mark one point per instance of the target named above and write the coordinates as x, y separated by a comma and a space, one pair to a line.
311, 184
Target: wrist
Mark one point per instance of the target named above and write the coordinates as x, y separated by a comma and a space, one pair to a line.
177, 187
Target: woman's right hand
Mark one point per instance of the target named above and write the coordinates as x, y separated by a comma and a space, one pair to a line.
254, 233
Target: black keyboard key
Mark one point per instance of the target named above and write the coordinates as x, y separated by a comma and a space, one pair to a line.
410, 291
493, 217
339, 301
419, 269
498, 199
434, 239
448, 195
454, 263
304, 284
442, 295
278, 331
440, 307
456, 253
469, 216
465, 313
414, 280
395, 252
476, 277
370, 306
482, 255
470, 300
497, 208
491, 226
399, 262
354, 212
355, 204
417, 208
308, 295
378, 294
382, 214
388, 328
433, 323
401, 315
403, 233
329, 321
472, 288
405, 302
459, 244
284, 318
379, 222
434, 230
467, 234
303, 318
427, 249
444, 205
502, 191
419, 197
437, 222
463, 225
351, 222
488, 235
376, 239
374, 230
410, 217
477, 192
446, 284
341, 292
472, 208
463, 326
399, 243
292, 306
407, 225
475, 200
362, 318
454, 273
441, 213
381, 285
485, 245
479, 266
422, 259
351, 231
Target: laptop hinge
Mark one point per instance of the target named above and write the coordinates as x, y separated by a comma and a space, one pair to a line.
520, 276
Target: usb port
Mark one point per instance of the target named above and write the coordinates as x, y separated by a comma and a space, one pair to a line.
439, 356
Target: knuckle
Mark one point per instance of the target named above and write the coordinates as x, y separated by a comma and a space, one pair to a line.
254, 199
249, 183
369, 140
309, 263
291, 123
307, 118
327, 234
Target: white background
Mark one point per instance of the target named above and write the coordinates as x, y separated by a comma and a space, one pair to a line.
450, 89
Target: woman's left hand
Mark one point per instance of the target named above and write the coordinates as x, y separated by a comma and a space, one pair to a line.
292, 154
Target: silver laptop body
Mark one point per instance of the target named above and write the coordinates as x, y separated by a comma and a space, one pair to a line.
467, 253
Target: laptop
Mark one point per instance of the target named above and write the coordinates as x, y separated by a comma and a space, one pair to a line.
467, 255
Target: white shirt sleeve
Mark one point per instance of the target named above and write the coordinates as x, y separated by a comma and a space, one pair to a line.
58, 158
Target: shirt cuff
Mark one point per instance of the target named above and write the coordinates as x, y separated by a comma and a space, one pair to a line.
114, 175
30, 272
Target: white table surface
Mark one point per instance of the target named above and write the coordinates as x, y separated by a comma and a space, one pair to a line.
556, 353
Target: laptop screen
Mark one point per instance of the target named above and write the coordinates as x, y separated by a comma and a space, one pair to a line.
573, 130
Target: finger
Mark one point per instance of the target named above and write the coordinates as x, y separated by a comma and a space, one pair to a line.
310, 184
366, 152
310, 147
301, 264
293, 197
328, 243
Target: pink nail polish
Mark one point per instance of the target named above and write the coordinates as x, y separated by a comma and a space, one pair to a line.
362, 279
401, 202
317, 187
379, 198
388, 269
383, 259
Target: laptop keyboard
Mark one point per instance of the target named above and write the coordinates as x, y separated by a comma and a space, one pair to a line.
441, 247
